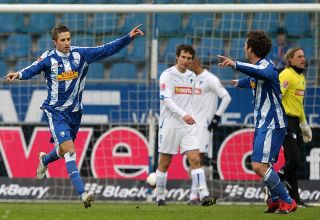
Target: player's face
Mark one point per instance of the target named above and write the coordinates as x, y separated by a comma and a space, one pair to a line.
184, 61
298, 59
246, 50
63, 42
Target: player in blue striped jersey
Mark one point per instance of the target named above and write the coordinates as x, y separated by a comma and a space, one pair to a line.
269, 115
65, 70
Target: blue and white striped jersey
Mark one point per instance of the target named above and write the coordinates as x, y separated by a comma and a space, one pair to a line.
263, 78
65, 74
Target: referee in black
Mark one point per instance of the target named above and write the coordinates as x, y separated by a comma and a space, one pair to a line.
293, 87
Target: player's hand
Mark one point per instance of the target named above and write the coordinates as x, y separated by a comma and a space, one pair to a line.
12, 76
225, 61
214, 123
306, 132
189, 120
234, 82
135, 31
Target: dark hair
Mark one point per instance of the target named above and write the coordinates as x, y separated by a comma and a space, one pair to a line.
259, 42
186, 48
290, 54
57, 30
282, 30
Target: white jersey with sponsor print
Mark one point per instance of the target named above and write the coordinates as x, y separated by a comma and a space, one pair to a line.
205, 101
179, 87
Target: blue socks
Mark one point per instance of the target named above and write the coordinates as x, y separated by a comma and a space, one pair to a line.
73, 172
50, 157
277, 189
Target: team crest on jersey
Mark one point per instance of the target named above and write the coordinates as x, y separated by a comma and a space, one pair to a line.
182, 90
285, 84
162, 86
68, 75
252, 84
197, 91
76, 62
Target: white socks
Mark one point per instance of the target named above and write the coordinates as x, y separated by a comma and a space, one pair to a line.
161, 182
199, 184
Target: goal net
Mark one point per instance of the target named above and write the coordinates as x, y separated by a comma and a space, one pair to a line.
117, 144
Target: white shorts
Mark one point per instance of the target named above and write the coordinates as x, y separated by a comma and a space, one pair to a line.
171, 139
205, 140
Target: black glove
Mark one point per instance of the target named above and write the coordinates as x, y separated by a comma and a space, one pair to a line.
214, 123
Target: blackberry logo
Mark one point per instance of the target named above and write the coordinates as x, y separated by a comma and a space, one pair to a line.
94, 187
234, 190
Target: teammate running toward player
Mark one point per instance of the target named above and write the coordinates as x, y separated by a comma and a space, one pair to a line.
65, 70
177, 125
269, 115
208, 91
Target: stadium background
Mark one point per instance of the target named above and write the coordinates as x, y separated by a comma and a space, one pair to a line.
118, 140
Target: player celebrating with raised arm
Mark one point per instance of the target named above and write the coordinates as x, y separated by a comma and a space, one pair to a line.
177, 126
65, 70
207, 113
269, 116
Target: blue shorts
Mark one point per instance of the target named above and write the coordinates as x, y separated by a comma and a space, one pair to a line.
63, 126
266, 144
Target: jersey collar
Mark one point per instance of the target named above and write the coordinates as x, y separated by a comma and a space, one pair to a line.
60, 54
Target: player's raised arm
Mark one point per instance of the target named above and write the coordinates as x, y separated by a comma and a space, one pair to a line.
10, 77
136, 31
226, 61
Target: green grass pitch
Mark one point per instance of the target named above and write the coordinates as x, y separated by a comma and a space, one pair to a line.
145, 211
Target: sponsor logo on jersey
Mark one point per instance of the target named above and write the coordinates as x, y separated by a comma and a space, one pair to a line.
197, 91
162, 86
299, 92
68, 75
183, 90
285, 84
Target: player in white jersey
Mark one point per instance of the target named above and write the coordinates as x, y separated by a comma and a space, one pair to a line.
177, 131
65, 69
207, 114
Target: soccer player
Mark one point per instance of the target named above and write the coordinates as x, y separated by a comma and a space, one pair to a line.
208, 91
177, 125
293, 89
269, 115
65, 70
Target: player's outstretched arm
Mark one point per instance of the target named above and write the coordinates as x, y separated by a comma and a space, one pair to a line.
135, 31
226, 61
10, 77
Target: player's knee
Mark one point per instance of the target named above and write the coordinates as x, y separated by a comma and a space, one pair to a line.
259, 168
